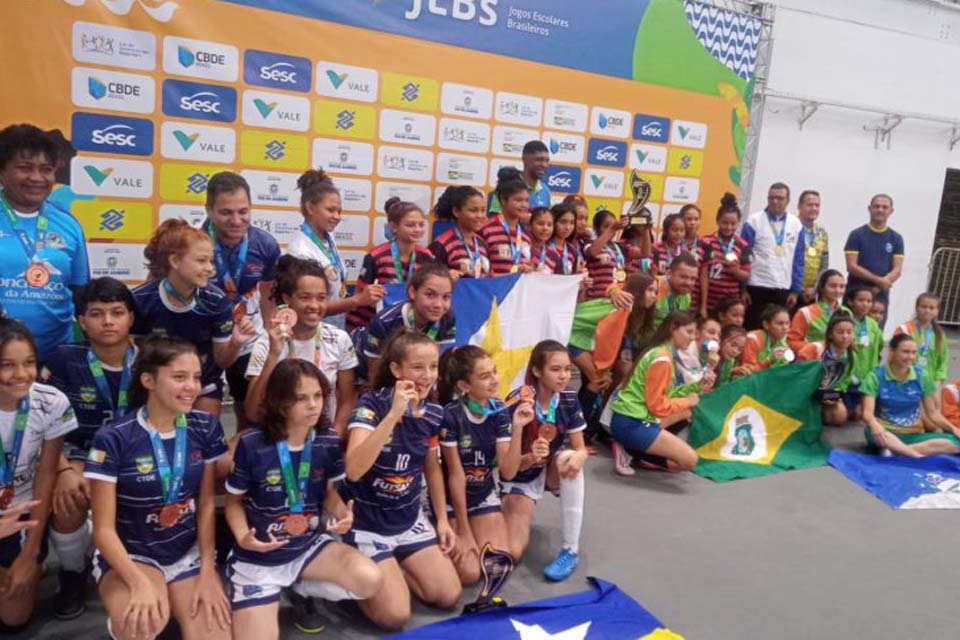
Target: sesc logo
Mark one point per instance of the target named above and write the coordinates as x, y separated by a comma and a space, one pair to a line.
277, 71
563, 179
608, 153
199, 101
111, 134
651, 128
112, 90
200, 59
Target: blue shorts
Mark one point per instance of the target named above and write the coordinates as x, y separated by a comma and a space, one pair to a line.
852, 397
11, 546
634, 434
574, 351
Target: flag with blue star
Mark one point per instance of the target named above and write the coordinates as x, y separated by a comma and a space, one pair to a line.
602, 612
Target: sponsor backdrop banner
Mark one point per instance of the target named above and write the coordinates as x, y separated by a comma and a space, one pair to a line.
399, 97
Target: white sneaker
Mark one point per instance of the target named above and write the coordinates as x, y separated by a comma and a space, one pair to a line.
622, 461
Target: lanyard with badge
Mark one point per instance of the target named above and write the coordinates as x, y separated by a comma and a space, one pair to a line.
328, 248
297, 486
8, 467
810, 239
924, 344
515, 245
546, 421
37, 274
863, 338
728, 253
171, 479
411, 323
100, 379
619, 270
778, 236
475, 256
231, 277
565, 261
398, 262
493, 406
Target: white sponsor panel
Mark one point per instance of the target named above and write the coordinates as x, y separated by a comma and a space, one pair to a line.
112, 90
280, 224
460, 169
648, 157
341, 156
684, 133
352, 263
353, 231
98, 176
275, 110
407, 128
497, 163
188, 141
600, 182
404, 163
564, 148
345, 81
464, 100
354, 194
612, 123
114, 46
463, 135
509, 141
516, 108
567, 116
681, 189
418, 194
201, 59
273, 188
195, 214
120, 261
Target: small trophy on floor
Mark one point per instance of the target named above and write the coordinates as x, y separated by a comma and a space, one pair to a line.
638, 215
496, 567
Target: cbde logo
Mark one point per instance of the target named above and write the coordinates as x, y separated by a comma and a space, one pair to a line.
112, 90
266, 69
651, 128
563, 179
111, 134
200, 59
608, 153
184, 99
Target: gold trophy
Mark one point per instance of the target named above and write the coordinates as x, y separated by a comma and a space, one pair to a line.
639, 215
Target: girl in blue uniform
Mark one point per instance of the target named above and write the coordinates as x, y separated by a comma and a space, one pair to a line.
152, 483
392, 446
553, 457
477, 435
283, 481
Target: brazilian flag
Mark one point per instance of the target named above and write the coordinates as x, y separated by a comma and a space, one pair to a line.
760, 424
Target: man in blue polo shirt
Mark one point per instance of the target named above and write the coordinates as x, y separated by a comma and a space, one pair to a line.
875, 252
536, 159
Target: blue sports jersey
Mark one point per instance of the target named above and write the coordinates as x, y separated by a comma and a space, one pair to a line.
393, 318
569, 420
258, 476
875, 251
48, 309
207, 320
122, 453
476, 439
70, 373
387, 497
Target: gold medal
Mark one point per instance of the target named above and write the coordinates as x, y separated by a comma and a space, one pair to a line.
813, 252
37, 275
169, 515
296, 524
514, 269
621, 275
779, 250
332, 274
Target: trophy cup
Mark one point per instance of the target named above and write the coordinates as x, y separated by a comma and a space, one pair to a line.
496, 567
639, 215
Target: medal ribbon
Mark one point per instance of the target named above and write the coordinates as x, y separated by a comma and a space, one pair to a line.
328, 247
476, 258
564, 258
768, 347
727, 247
411, 322
398, 262
298, 486
777, 235
810, 237
617, 257
100, 379
230, 277
30, 247
493, 406
317, 346
551, 415
171, 480
517, 244
8, 468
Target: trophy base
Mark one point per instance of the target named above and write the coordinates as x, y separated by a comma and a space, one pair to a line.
495, 602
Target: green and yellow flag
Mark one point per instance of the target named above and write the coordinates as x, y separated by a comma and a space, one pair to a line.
760, 424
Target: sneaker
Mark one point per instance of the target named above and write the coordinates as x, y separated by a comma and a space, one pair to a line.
306, 617
563, 567
622, 460
70, 601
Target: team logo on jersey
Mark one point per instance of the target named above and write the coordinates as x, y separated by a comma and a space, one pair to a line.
365, 413
144, 464
96, 456
273, 476
395, 485
466, 441
475, 476
88, 394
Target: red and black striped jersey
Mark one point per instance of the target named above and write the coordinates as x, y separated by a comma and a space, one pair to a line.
379, 267
506, 249
603, 269
449, 250
545, 259
721, 283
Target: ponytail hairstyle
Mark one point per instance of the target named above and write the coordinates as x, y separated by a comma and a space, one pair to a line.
454, 198
663, 335
395, 351
281, 394
824, 278
539, 357
599, 218
398, 209
289, 271
937, 329
456, 365
729, 204
640, 320
173, 237
13, 330
667, 223
509, 182
314, 185
155, 351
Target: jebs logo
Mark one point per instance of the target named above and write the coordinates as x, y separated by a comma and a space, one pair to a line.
466, 10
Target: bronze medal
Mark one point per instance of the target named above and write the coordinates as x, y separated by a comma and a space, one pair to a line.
286, 316
169, 515
37, 275
6, 496
239, 312
525, 395
296, 524
547, 431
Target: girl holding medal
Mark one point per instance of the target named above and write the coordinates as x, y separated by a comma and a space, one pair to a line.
391, 449
583, 234
180, 300
868, 337
809, 323
543, 257
552, 456
286, 536
767, 347
725, 264
507, 242
733, 339
321, 208
564, 240
690, 213
477, 436
395, 261
606, 263
34, 418
836, 353
932, 354
298, 331
460, 248
153, 485
671, 243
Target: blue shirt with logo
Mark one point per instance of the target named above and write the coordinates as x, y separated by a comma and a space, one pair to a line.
258, 477
476, 439
121, 453
394, 318
898, 401
47, 310
263, 252
569, 420
387, 497
875, 251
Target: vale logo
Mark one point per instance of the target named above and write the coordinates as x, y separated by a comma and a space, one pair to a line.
99, 176
275, 70
184, 139
337, 79
265, 108
597, 180
111, 220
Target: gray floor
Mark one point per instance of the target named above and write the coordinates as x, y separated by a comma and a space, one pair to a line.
795, 556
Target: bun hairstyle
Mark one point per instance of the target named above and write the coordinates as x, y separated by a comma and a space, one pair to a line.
509, 182
172, 237
454, 198
398, 209
729, 204
456, 365
314, 184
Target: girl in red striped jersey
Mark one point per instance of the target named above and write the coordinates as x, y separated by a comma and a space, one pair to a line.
460, 248
507, 242
564, 240
605, 260
671, 243
395, 260
583, 235
543, 257
725, 263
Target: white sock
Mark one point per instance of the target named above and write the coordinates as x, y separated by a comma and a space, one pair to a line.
571, 509
326, 590
72, 547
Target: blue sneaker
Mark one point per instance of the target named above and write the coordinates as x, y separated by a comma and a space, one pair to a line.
563, 567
